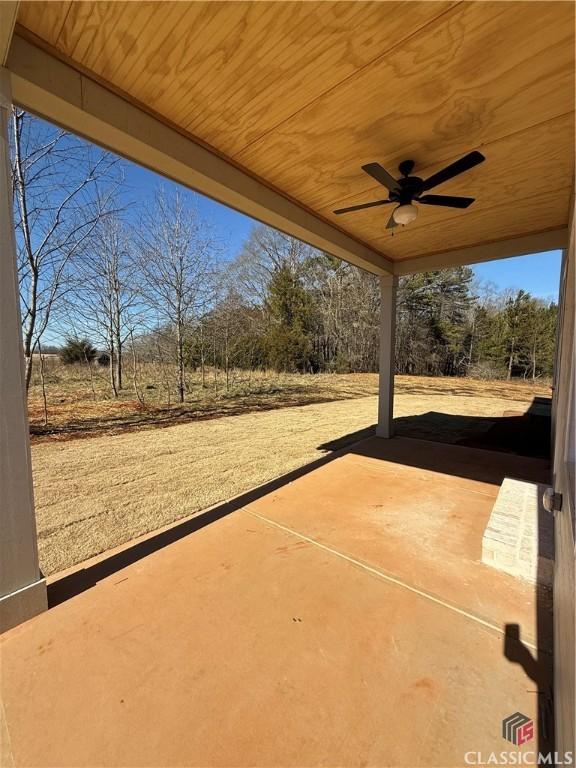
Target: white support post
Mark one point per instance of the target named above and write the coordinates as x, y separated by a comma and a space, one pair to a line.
388, 285
22, 587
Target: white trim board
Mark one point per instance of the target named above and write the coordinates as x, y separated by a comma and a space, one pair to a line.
502, 249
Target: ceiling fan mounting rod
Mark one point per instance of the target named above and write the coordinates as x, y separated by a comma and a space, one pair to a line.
406, 167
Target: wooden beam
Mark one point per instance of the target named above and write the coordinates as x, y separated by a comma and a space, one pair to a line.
50, 88
502, 249
8, 13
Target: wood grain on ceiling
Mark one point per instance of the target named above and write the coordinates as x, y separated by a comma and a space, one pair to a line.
301, 94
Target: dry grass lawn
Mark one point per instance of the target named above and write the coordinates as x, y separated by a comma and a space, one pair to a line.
94, 494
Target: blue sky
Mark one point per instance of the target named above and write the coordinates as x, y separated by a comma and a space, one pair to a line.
538, 274
231, 228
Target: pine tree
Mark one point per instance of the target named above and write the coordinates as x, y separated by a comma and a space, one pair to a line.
433, 309
515, 311
78, 351
290, 313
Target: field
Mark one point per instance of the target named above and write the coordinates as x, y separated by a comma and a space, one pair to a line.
79, 403
143, 468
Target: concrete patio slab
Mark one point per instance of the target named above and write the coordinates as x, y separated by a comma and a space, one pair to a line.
296, 631
419, 511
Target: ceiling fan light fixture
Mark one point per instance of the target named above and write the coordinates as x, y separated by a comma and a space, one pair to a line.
404, 214
401, 192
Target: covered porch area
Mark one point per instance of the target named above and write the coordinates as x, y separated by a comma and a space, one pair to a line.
340, 616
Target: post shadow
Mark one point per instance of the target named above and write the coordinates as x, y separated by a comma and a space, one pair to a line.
539, 666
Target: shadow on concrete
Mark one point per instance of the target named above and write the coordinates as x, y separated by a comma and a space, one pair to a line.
349, 439
474, 463
524, 443
525, 434
539, 667
85, 577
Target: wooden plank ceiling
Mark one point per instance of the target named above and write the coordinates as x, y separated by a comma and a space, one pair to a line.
301, 94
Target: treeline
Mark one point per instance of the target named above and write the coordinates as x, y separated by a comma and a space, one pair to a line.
151, 284
452, 326
290, 308
281, 305
284, 306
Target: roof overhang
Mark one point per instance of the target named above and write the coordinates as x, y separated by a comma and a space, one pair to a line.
541, 242
55, 91
8, 13
58, 65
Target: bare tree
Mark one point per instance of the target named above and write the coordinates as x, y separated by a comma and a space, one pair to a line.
227, 326
43, 383
137, 390
348, 305
265, 251
109, 292
177, 254
56, 178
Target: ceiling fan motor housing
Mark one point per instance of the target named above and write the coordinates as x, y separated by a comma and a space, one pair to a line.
410, 187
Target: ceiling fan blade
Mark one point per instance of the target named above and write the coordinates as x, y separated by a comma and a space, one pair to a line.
359, 207
382, 176
391, 222
447, 200
464, 164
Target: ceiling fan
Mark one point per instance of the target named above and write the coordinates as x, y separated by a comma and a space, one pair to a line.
408, 190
